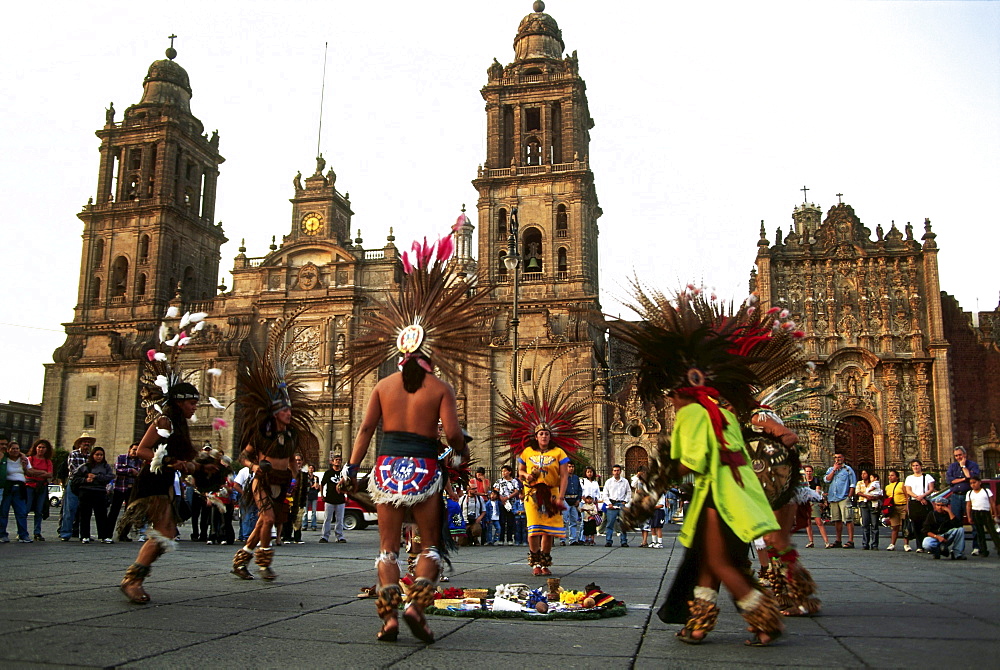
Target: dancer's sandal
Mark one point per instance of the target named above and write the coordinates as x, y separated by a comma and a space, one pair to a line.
417, 623
388, 634
763, 619
702, 616
387, 604
686, 635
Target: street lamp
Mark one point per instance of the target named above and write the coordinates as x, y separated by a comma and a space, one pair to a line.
513, 261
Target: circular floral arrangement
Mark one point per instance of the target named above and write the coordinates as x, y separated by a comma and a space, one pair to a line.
518, 601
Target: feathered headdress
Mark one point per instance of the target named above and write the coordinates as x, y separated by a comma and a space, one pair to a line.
266, 383
437, 315
554, 405
161, 378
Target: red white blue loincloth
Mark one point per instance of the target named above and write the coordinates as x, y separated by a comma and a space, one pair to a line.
404, 480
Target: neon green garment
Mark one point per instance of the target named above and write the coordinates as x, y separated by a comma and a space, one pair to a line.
745, 509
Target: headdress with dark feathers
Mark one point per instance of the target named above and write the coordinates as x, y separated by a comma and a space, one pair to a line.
436, 315
266, 383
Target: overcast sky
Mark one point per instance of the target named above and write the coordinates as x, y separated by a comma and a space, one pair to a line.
709, 117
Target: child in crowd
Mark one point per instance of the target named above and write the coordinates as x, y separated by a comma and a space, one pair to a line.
656, 523
520, 520
492, 521
588, 510
981, 509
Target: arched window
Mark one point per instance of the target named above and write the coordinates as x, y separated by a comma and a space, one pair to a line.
532, 246
99, 253
95, 297
563, 265
562, 221
140, 285
502, 231
502, 267
144, 249
119, 278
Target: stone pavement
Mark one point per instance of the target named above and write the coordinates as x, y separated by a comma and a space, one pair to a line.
61, 603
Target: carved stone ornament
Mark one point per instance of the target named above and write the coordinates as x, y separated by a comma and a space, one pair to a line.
308, 277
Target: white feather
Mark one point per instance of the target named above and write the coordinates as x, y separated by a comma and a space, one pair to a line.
198, 316
215, 372
183, 341
160, 356
185, 320
163, 432
193, 419
163, 332
173, 340
156, 465
198, 326
215, 403
172, 312
158, 408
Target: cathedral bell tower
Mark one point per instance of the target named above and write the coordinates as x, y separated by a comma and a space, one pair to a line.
537, 165
149, 232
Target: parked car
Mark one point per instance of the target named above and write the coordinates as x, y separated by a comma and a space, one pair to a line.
355, 516
55, 495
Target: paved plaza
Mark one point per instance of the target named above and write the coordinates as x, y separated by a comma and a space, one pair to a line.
61, 607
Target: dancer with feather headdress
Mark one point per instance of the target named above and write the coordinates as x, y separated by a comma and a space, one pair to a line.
542, 425
166, 448
437, 319
698, 353
277, 418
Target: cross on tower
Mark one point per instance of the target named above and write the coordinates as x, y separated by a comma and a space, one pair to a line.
171, 38
839, 198
804, 189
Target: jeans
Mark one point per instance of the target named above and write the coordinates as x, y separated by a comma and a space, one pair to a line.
310, 510
984, 525
520, 529
955, 538
333, 511
492, 531
869, 526
70, 504
671, 511
571, 517
96, 502
248, 519
38, 501
17, 497
610, 518
506, 525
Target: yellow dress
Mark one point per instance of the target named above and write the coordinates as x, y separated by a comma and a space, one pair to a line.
549, 462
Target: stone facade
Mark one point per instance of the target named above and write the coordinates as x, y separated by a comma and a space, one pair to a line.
871, 313
155, 207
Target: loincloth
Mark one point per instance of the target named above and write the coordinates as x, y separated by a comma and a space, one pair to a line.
270, 490
403, 481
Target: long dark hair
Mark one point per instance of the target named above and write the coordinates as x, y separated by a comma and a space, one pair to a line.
45, 444
90, 458
180, 439
592, 469
413, 373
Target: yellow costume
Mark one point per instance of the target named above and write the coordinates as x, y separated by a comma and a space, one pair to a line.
547, 521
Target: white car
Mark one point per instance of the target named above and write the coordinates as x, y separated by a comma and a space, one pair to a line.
355, 516
55, 495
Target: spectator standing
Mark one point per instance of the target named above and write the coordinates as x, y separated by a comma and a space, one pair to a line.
590, 485
473, 509
918, 486
520, 519
957, 476
815, 509
312, 497
943, 532
127, 468
334, 498
571, 515
897, 511
481, 483
589, 512
492, 522
617, 492
841, 480
14, 470
292, 530
93, 478
248, 510
70, 501
39, 461
981, 509
506, 487
869, 492
656, 523
3, 452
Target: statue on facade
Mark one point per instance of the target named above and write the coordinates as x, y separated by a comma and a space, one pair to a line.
297, 181
109, 114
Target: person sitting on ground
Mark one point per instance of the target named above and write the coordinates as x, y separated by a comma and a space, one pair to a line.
944, 532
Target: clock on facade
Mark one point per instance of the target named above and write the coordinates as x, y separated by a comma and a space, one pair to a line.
311, 223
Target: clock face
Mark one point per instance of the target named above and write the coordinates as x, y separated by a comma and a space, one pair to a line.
311, 223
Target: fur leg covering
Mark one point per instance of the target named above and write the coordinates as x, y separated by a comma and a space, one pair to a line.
704, 610
240, 562
263, 557
388, 601
421, 593
131, 584
163, 543
760, 610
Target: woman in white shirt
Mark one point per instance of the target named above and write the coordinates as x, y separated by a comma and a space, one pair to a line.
981, 509
590, 484
918, 487
869, 492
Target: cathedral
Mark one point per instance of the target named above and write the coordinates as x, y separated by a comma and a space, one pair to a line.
899, 356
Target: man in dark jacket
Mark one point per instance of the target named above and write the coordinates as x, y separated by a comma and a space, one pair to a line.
334, 499
944, 532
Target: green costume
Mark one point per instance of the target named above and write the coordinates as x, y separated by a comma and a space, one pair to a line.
745, 508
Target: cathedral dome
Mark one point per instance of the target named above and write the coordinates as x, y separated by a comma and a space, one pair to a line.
167, 83
538, 36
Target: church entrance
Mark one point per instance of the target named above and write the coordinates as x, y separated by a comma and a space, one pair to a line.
856, 440
635, 458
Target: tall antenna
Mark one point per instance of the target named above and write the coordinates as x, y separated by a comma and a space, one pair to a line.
322, 94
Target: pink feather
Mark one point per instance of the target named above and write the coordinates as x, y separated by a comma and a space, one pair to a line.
445, 247
407, 266
151, 354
